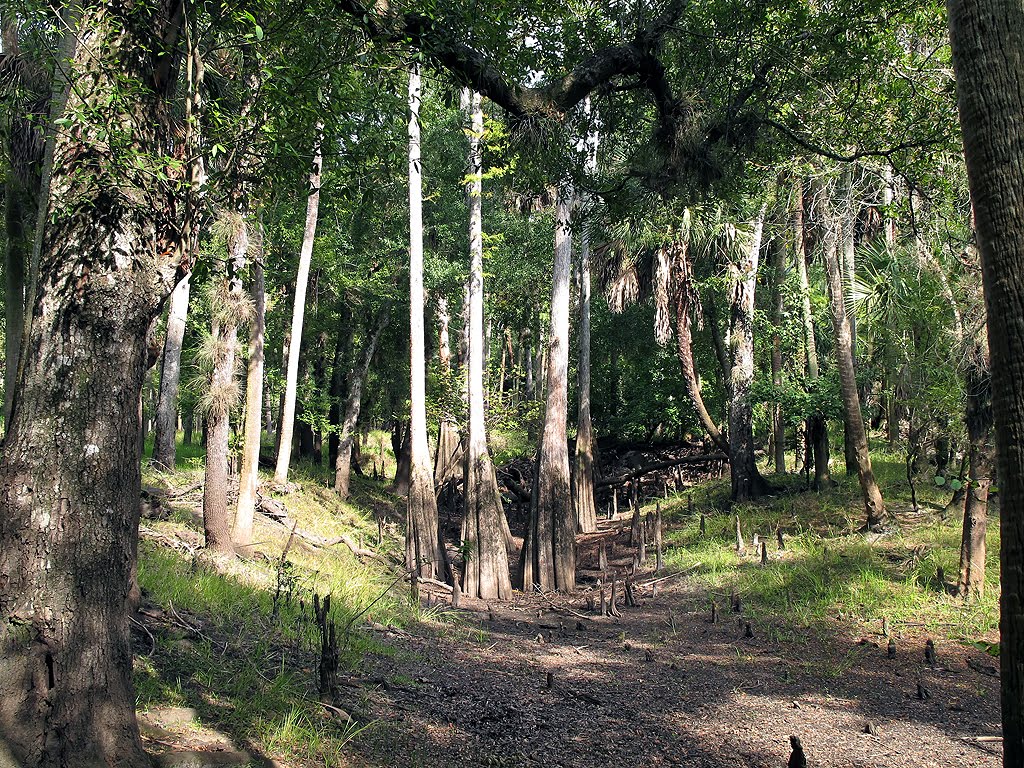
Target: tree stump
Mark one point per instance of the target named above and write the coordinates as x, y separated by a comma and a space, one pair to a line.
764, 553
703, 525
602, 558
740, 545
736, 607
929, 652
328, 665
797, 759
778, 534
891, 651
613, 608
658, 539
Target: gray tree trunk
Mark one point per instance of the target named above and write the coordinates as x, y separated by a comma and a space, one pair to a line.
449, 445
287, 422
746, 480
170, 376
353, 404
230, 310
586, 507
549, 550
483, 518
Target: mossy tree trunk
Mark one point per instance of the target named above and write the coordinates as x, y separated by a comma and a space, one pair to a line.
109, 254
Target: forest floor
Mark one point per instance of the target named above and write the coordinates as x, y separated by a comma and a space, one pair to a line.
227, 653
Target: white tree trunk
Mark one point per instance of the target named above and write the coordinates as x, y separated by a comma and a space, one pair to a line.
487, 575
170, 376
422, 549
284, 453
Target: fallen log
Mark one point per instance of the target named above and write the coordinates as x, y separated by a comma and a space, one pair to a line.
704, 458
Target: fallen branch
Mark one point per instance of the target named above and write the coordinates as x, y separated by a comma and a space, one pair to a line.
704, 458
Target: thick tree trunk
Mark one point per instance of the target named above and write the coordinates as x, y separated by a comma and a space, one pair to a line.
747, 482
248, 480
170, 376
586, 507
971, 583
69, 471
449, 445
549, 550
353, 403
483, 521
986, 36
287, 422
230, 309
684, 345
423, 553
874, 506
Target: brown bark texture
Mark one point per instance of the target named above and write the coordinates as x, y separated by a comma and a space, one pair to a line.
987, 37
971, 581
874, 506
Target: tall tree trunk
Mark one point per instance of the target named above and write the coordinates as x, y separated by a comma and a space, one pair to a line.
746, 480
874, 506
248, 480
971, 583
586, 507
483, 521
848, 265
817, 427
69, 470
16, 258
449, 445
778, 422
287, 423
170, 376
353, 403
684, 344
230, 309
549, 549
423, 553
986, 36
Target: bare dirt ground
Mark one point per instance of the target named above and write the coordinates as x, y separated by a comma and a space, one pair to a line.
662, 685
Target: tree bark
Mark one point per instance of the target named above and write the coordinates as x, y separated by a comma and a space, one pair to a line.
986, 36
817, 427
287, 423
747, 482
874, 506
170, 376
230, 309
353, 404
684, 345
848, 264
449, 445
69, 472
586, 507
483, 521
16, 258
248, 480
778, 422
971, 582
549, 549
340, 367
423, 554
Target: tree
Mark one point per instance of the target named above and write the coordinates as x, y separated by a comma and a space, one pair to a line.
69, 470
353, 403
248, 476
423, 553
747, 482
991, 105
164, 441
549, 548
287, 425
586, 508
874, 506
486, 574
978, 378
449, 446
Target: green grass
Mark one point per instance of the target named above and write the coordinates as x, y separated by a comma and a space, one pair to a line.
250, 671
829, 570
